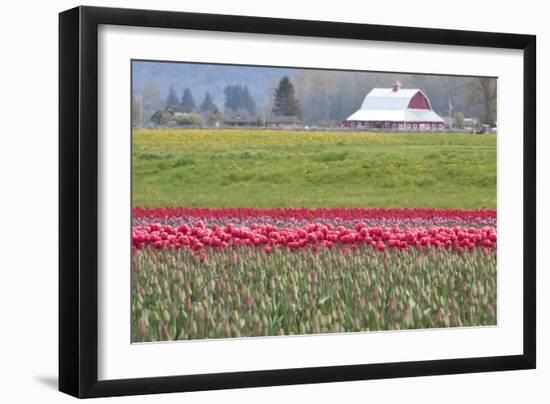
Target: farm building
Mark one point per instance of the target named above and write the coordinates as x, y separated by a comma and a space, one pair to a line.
395, 109
241, 119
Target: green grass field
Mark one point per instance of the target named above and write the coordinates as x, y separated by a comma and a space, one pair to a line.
268, 169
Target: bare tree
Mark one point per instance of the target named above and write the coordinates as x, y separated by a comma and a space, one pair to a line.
483, 90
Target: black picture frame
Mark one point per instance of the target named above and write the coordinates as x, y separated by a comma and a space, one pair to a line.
78, 201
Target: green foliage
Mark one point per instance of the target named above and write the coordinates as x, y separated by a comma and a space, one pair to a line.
267, 169
237, 97
329, 156
213, 118
245, 292
172, 98
285, 102
189, 119
187, 101
208, 106
153, 156
160, 117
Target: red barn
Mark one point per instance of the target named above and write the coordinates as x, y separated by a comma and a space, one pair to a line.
395, 109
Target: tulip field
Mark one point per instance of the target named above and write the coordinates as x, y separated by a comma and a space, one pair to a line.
244, 271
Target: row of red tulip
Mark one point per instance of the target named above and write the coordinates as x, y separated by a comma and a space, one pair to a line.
314, 214
312, 236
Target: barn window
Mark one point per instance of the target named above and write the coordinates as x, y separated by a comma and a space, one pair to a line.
415, 126
408, 126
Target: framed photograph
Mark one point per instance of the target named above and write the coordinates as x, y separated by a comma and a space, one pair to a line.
252, 201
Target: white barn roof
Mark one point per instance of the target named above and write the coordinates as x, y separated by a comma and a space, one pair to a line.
385, 104
389, 115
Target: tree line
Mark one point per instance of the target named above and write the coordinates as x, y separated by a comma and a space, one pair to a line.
331, 96
237, 101
187, 102
321, 97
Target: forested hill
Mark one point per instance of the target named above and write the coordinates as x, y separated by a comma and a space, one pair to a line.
201, 78
324, 95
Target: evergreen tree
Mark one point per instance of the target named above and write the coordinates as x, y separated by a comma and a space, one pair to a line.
208, 105
247, 101
187, 101
172, 98
231, 101
286, 102
238, 98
